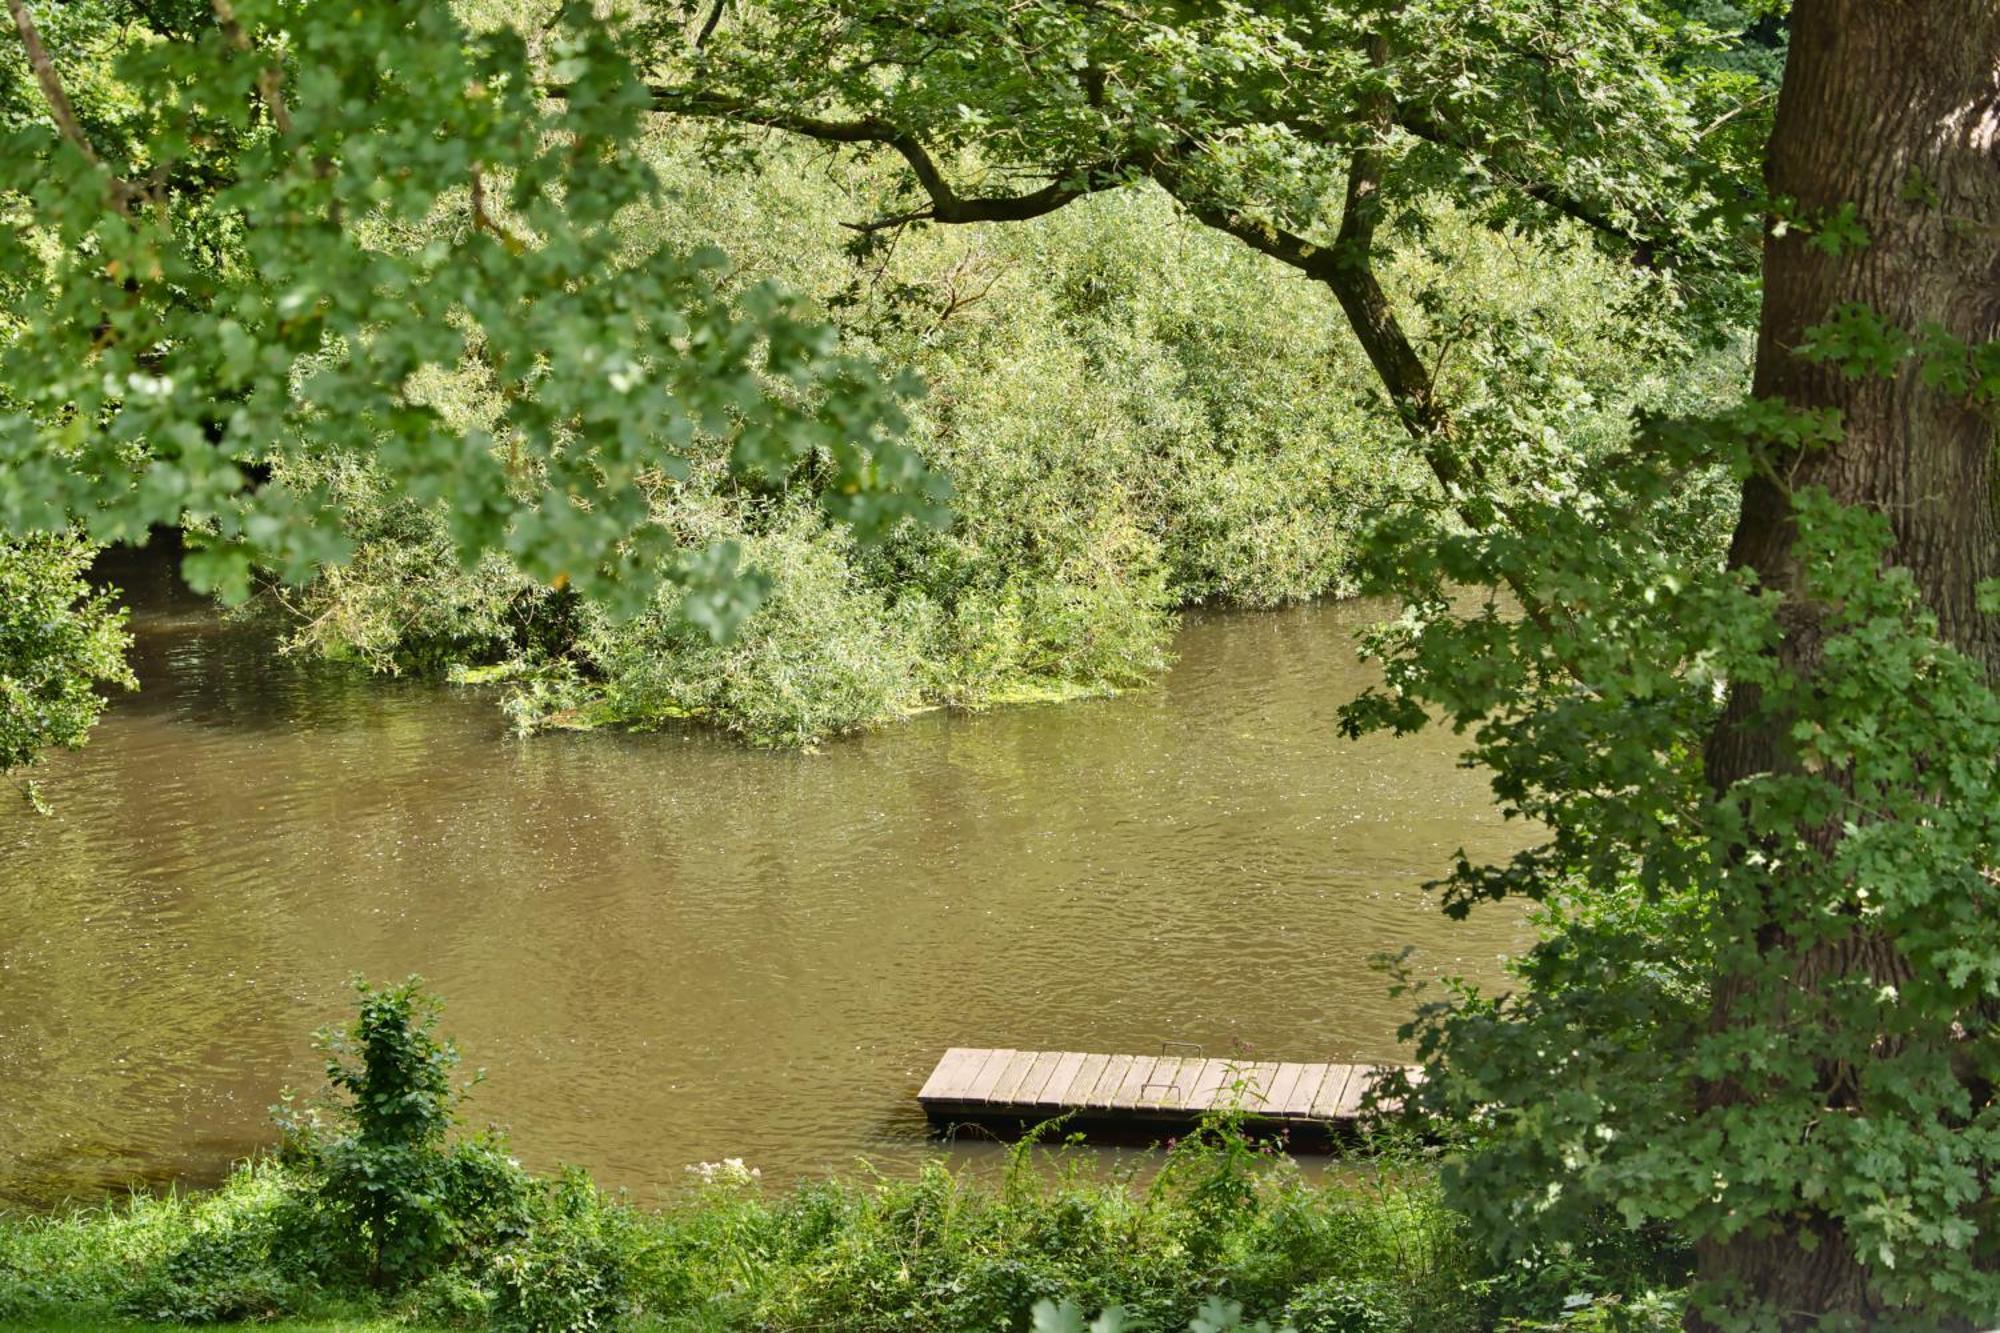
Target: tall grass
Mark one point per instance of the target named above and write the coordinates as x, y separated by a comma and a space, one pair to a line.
1371, 1251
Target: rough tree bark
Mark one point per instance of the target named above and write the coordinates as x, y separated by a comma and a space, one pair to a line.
1892, 106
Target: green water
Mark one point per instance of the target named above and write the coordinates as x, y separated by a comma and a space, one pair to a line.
670, 949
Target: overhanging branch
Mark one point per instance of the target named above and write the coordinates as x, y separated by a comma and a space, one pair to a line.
1644, 249
1346, 267
946, 204
60, 109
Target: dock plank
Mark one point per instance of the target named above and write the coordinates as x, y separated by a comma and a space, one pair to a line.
1105, 1092
1210, 1084
1137, 1075
953, 1075
1085, 1083
1279, 1100
1055, 1092
980, 1089
1163, 1090
1037, 1077
1008, 1086
1300, 1105
1003, 1084
1256, 1078
1327, 1101
1350, 1096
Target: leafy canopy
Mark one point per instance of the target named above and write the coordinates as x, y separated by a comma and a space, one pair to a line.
1603, 1086
1251, 115
283, 227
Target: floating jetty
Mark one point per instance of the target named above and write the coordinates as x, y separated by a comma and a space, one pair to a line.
1137, 1094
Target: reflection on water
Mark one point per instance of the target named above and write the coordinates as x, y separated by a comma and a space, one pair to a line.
671, 949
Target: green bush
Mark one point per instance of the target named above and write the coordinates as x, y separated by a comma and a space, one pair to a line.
824, 654
59, 640
216, 1275
1342, 1305
1136, 414
567, 1272
393, 1199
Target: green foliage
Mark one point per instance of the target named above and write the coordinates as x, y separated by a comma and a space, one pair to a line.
393, 1194
1134, 413
1604, 1086
215, 1275
1138, 412
1750, 36
824, 654
1624, 114
569, 1270
305, 220
59, 640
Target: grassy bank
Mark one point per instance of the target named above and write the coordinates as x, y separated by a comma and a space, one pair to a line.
372, 1212
940, 1251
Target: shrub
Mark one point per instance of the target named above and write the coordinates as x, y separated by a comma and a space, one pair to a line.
567, 1272
213, 1276
1344, 1305
1136, 415
825, 653
59, 640
393, 1196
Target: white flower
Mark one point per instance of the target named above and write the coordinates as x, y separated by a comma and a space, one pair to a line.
728, 1171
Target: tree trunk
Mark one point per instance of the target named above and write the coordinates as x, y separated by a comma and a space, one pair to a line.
1892, 106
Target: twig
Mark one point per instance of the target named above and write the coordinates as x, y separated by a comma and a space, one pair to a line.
270, 78
60, 109
484, 221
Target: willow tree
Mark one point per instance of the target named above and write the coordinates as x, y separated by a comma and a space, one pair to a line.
1762, 1016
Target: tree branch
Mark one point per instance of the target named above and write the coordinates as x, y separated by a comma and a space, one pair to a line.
1422, 126
483, 220
1644, 248
1346, 268
946, 204
708, 26
270, 78
60, 109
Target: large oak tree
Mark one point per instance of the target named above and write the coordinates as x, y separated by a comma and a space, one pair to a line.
1796, 1071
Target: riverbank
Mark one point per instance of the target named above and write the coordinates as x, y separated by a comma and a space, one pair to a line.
371, 1208
939, 1251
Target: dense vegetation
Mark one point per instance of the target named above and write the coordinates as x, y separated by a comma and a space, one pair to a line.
59, 640
1763, 1016
1117, 446
402, 287
374, 1211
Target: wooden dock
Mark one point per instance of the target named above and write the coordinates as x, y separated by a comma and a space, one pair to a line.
1139, 1091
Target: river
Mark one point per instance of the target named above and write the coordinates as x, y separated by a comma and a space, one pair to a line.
669, 948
